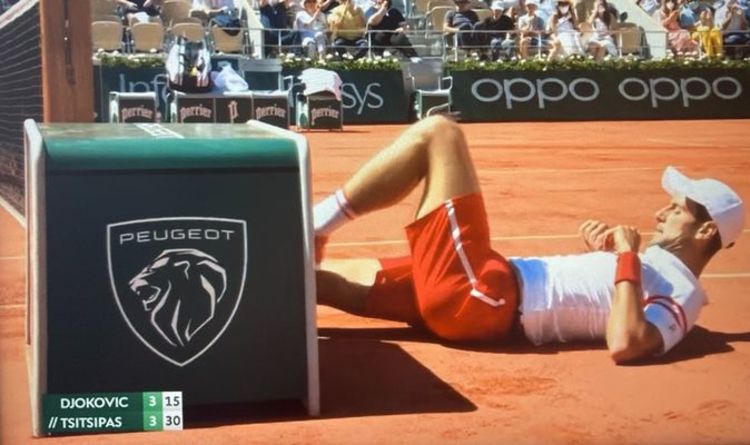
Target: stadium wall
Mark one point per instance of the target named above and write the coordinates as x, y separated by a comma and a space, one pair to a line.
382, 96
493, 96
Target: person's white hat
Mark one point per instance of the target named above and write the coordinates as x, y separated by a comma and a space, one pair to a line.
498, 4
723, 204
532, 3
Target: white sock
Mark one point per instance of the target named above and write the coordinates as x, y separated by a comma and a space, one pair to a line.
332, 213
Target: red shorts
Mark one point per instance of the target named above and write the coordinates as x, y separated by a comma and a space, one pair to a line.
453, 282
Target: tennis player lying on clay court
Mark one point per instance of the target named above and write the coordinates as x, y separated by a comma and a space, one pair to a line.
454, 284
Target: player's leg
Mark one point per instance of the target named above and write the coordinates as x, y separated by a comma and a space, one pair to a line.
433, 149
364, 287
344, 284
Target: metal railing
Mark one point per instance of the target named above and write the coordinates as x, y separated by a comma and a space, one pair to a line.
489, 45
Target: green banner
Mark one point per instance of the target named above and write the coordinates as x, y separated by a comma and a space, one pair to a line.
490, 96
127, 80
370, 97
112, 412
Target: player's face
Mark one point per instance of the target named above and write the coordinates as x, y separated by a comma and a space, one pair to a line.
675, 224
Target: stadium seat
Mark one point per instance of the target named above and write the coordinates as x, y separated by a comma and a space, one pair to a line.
436, 17
629, 38
418, 8
191, 31
225, 43
107, 18
435, 3
270, 88
432, 91
147, 37
172, 10
587, 31
106, 35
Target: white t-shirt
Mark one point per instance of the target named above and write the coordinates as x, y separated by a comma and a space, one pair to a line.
567, 298
304, 22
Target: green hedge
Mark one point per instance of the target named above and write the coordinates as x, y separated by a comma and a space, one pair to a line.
293, 62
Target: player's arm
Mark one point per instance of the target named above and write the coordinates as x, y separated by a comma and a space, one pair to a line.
630, 336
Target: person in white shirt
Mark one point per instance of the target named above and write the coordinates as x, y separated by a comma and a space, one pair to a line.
312, 24
601, 40
453, 283
563, 28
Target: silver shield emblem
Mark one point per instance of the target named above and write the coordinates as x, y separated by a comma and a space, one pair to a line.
178, 281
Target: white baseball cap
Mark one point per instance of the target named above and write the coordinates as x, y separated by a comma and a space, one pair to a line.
723, 204
498, 4
534, 3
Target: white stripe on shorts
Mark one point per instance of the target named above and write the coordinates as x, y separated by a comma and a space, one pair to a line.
459, 246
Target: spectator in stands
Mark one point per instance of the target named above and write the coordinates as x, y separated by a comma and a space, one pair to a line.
546, 9
213, 8
708, 35
602, 21
273, 16
221, 13
563, 28
328, 5
499, 29
532, 30
678, 39
460, 23
517, 8
688, 14
347, 23
734, 26
140, 10
312, 26
387, 26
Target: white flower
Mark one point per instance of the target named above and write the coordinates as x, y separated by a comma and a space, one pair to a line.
386, 53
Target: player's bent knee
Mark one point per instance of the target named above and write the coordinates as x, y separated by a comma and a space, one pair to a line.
439, 126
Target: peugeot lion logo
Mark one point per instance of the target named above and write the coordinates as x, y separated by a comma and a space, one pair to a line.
178, 281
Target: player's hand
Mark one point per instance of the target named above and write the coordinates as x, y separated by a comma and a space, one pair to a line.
624, 238
592, 233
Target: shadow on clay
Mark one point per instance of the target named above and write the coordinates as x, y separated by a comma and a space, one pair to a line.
700, 342
358, 377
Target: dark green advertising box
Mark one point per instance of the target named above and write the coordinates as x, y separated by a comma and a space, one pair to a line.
170, 258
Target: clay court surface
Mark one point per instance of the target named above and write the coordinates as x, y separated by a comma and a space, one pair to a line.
383, 382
